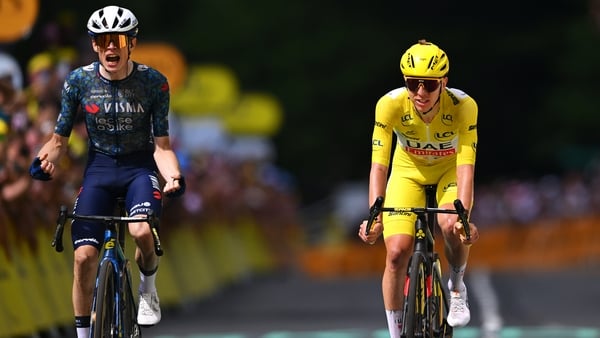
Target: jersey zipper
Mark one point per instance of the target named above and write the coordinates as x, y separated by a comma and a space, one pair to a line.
429, 157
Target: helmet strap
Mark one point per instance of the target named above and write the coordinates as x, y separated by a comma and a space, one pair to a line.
432, 107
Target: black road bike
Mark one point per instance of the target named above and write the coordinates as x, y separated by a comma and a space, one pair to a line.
426, 303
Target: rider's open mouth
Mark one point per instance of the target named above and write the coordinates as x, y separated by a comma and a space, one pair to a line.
113, 58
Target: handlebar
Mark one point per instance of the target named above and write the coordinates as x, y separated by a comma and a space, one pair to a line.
374, 211
377, 208
464, 218
63, 215
58, 233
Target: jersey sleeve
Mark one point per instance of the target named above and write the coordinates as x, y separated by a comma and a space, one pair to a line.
383, 131
69, 105
160, 107
467, 141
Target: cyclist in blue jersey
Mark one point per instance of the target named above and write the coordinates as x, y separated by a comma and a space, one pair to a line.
125, 107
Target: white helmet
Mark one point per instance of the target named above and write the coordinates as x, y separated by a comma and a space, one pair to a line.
112, 19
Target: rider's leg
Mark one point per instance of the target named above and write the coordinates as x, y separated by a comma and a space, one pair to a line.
87, 238
145, 257
398, 235
398, 251
141, 197
84, 272
456, 253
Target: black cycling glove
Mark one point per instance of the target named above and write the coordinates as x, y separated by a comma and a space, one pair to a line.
35, 170
179, 191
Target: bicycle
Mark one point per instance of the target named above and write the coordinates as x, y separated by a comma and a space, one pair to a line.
426, 305
114, 311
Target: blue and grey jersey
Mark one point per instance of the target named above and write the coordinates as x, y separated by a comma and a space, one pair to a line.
122, 117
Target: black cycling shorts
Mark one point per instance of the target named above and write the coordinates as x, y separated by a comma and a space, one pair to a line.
106, 178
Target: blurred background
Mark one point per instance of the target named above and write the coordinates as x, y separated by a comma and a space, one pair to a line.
272, 114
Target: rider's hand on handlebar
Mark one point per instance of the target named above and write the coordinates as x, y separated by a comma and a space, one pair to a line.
460, 231
374, 233
175, 187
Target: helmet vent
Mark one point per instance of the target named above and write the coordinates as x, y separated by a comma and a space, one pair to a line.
431, 63
442, 57
125, 23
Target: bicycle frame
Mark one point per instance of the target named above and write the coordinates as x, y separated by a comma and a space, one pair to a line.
114, 312
124, 316
425, 297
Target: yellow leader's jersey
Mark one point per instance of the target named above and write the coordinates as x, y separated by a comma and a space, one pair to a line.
451, 135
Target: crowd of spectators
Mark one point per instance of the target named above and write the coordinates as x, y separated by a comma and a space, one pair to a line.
551, 197
222, 187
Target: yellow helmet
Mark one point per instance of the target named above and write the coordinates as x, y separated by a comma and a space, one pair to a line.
424, 59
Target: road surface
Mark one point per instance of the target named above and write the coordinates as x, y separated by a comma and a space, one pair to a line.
517, 304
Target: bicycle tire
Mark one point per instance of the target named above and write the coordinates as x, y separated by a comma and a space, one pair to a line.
129, 311
103, 319
414, 299
439, 303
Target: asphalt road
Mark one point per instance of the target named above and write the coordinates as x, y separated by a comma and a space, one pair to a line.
515, 304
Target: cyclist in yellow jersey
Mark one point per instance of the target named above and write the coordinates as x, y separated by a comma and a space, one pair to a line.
436, 132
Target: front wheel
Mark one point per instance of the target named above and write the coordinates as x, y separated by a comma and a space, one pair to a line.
103, 319
439, 303
415, 297
129, 310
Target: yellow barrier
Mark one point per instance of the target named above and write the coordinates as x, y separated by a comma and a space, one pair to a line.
36, 282
14, 308
195, 277
57, 275
259, 257
36, 289
227, 263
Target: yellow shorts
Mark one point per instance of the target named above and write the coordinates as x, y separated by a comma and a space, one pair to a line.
405, 188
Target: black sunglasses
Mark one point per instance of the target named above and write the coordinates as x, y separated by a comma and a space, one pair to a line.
429, 85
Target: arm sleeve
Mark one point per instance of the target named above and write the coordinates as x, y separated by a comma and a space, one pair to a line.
160, 111
382, 132
69, 106
467, 142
